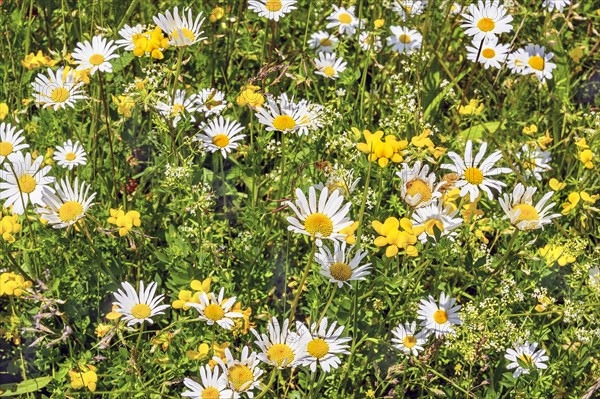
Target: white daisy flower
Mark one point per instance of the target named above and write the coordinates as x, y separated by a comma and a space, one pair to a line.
535, 161
58, 89
24, 181
220, 135
182, 31
215, 309
68, 205
138, 308
337, 269
344, 20
525, 358
95, 56
407, 340
128, 34
322, 220
409, 8
10, 141
538, 62
418, 187
323, 345
242, 375
492, 54
455, 8
210, 101
323, 41
486, 19
178, 108
519, 208
475, 173
329, 65
213, 385
439, 319
284, 115
340, 179
556, 4
517, 61
281, 347
70, 154
404, 40
272, 9
369, 41
426, 219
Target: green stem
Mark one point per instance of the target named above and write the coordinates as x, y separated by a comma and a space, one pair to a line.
110, 139
335, 287
504, 258
303, 280
269, 384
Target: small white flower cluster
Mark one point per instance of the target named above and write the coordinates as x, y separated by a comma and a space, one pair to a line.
574, 311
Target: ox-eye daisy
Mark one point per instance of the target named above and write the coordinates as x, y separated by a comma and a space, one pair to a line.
418, 187
322, 219
242, 375
525, 358
369, 41
272, 9
182, 30
492, 54
404, 40
58, 89
138, 308
210, 101
284, 115
408, 8
129, 34
95, 56
323, 345
344, 20
338, 267
439, 319
23, 180
70, 154
519, 208
435, 216
407, 340
213, 385
475, 173
10, 141
220, 134
329, 65
556, 4
215, 309
281, 347
323, 41
538, 62
68, 205
485, 20
178, 108
534, 161
517, 61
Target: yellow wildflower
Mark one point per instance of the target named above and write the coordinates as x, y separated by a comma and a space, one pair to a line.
586, 156
216, 14
124, 105
573, 200
162, 339
243, 324
350, 230
38, 60
113, 314
3, 111
102, 329
582, 144
382, 151
378, 23
543, 303
85, 378
556, 253
124, 221
203, 286
13, 284
577, 53
184, 297
150, 43
396, 234
250, 96
472, 108
530, 130
556, 185
9, 225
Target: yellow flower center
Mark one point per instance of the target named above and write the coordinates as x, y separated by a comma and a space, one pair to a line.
340, 271
326, 42
187, 34
273, 5
474, 175
418, 186
221, 140
210, 393
96, 59
409, 341
404, 38
280, 354
6, 148
214, 312
284, 122
59, 95
440, 316
431, 223
318, 223
141, 311
486, 24
528, 212
177, 109
345, 18
317, 348
70, 156
240, 376
70, 211
536, 62
329, 71
27, 184
526, 359
488, 53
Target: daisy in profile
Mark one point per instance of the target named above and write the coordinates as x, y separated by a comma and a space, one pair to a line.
178, 108
559, 5
95, 55
486, 19
10, 140
525, 358
439, 319
534, 161
182, 30
329, 65
338, 268
220, 134
475, 172
517, 61
519, 208
323, 41
213, 385
492, 54
435, 216
369, 41
138, 308
215, 309
538, 62
409, 8
58, 89
407, 340
284, 115
418, 185
242, 375
344, 20
320, 220
404, 40
281, 347
70, 154
69, 204
210, 101
323, 345
23, 180
129, 34
272, 9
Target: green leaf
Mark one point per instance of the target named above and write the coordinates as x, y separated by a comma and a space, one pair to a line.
24, 387
476, 132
